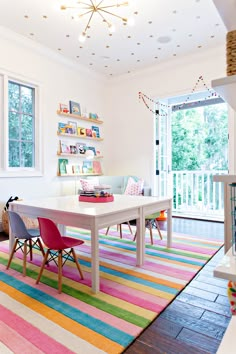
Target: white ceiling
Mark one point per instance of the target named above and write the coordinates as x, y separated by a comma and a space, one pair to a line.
191, 25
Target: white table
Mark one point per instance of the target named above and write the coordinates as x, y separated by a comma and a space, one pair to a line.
68, 211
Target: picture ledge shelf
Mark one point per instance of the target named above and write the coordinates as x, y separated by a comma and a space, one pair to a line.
77, 155
79, 136
76, 116
79, 174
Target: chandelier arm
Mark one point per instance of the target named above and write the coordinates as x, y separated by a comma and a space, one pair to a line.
99, 13
98, 5
110, 13
117, 5
86, 13
90, 18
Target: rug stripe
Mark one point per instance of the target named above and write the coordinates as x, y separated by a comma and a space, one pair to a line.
71, 325
47, 327
78, 316
130, 297
114, 321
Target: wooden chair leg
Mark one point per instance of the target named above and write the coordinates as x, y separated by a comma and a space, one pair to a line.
40, 246
24, 258
59, 271
130, 228
107, 230
77, 263
158, 228
135, 236
120, 228
31, 249
12, 253
45, 259
150, 229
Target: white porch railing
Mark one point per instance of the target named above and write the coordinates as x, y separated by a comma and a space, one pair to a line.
195, 194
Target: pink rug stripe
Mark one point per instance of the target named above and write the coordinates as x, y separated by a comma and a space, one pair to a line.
30, 334
97, 313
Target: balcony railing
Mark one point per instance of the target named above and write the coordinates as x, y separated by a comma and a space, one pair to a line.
195, 194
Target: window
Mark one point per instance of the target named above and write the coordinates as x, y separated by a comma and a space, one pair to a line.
19, 128
21, 117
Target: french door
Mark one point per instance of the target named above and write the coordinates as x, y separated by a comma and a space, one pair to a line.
163, 182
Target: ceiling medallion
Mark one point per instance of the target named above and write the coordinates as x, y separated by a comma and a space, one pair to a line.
104, 8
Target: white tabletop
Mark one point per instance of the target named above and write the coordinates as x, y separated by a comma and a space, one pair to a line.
72, 204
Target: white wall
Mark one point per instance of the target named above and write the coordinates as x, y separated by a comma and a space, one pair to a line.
129, 142
128, 125
59, 83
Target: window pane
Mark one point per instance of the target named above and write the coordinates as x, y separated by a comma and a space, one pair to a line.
21, 125
26, 100
14, 97
14, 125
27, 128
27, 154
14, 154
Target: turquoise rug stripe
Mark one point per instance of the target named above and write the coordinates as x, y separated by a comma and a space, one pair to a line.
130, 297
138, 280
108, 331
133, 248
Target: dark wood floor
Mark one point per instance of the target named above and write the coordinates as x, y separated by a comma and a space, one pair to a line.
196, 320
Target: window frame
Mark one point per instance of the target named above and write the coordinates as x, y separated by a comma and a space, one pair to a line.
5, 170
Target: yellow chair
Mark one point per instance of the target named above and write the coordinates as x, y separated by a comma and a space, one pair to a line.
150, 223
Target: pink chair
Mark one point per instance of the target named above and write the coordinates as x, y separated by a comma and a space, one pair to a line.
57, 245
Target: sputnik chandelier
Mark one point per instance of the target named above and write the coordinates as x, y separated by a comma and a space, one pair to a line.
105, 9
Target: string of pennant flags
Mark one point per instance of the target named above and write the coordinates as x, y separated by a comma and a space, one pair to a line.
145, 99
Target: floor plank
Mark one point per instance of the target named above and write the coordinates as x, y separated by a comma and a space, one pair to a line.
195, 322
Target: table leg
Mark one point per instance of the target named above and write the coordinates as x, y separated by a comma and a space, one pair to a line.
140, 239
169, 227
95, 261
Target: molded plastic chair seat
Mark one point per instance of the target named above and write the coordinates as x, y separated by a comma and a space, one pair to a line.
57, 245
23, 238
150, 223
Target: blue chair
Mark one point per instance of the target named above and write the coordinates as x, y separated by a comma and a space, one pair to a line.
24, 238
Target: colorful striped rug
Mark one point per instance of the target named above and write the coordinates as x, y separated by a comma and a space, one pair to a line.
36, 319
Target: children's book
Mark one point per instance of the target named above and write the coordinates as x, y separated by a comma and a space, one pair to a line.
97, 167
62, 128
64, 147
62, 164
81, 131
89, 133
73, 149
76, 169
96, 130
87, 167
69, 169
81, 148
92, 148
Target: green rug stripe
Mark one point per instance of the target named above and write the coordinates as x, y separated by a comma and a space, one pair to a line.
86, 298
71, 312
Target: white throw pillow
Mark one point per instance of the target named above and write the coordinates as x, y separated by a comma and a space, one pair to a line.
89, 184
133, 187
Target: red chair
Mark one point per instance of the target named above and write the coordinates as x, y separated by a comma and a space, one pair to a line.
57, 245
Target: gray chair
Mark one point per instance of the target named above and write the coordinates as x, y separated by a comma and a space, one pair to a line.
23, 238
